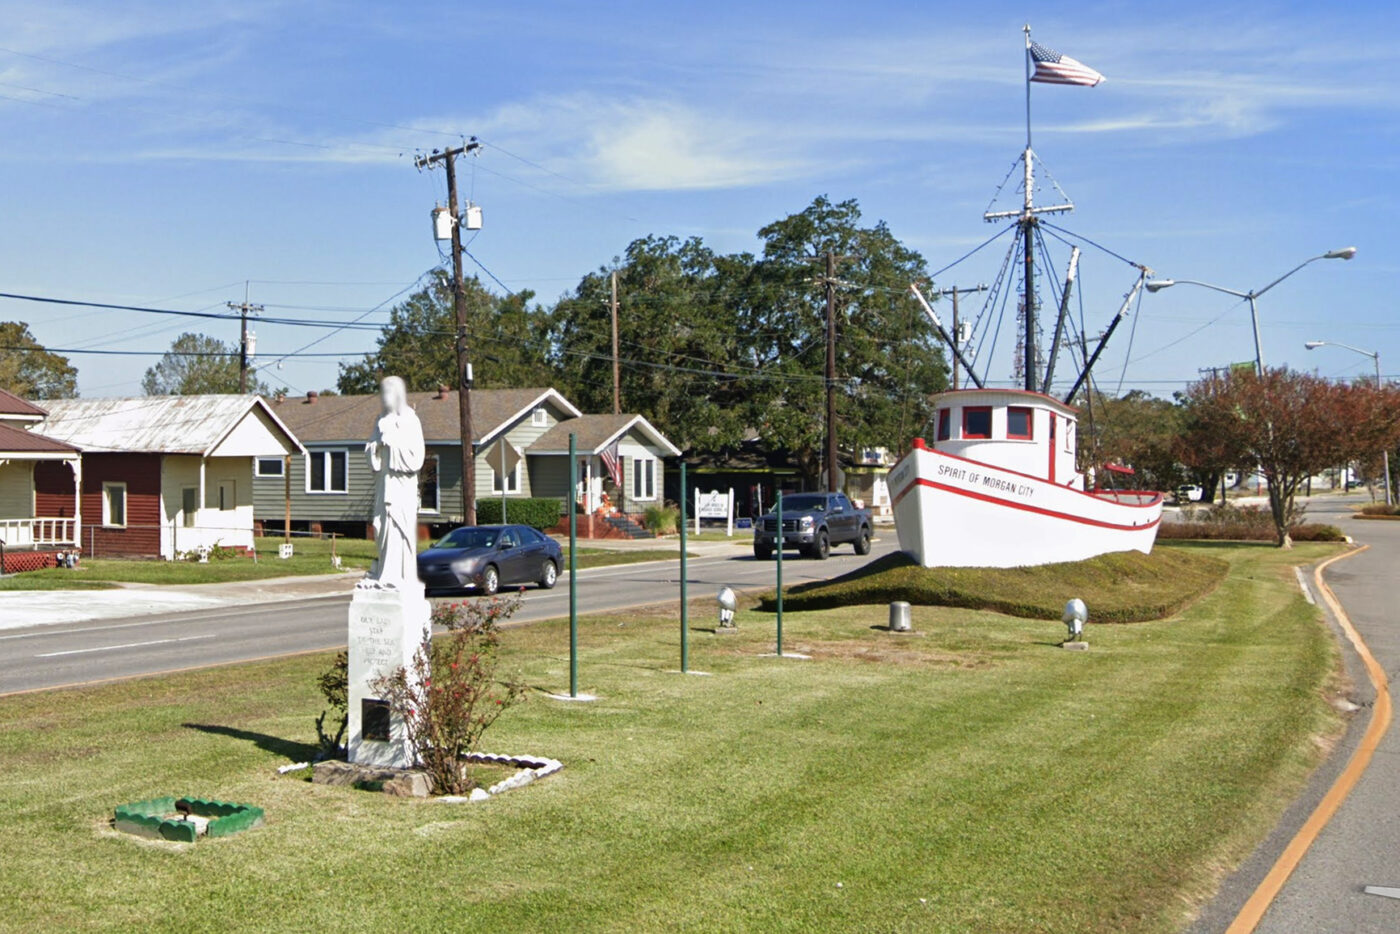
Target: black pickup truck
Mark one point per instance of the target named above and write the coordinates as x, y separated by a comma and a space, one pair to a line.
812, 523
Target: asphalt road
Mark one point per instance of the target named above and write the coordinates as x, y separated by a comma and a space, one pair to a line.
1358, 847
52, 656
1361, 845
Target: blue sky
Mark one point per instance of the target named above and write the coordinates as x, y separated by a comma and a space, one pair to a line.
163, 153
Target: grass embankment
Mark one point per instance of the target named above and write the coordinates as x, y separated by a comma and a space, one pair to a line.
972, 778
311, 556
1119, 588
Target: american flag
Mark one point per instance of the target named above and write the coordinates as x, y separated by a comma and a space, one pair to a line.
613, 462
1053, 68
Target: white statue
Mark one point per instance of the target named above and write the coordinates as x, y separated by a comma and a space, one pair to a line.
395, 453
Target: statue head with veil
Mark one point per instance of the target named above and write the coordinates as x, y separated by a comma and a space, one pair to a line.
395, 453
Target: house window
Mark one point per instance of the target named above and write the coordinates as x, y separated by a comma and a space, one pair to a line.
539, 418
977, 421
189, 506
327, 472
1069, 436
945, 424
512, 479
644, 478
227, 498
114, 505
428, 485
1019, 424
270, 467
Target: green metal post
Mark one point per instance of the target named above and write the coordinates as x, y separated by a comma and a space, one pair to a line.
573, 565
779, 544
685, 607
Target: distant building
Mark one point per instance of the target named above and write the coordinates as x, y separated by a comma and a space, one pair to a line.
160, 476
525, 431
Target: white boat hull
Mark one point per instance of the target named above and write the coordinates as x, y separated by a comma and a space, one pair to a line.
954, 512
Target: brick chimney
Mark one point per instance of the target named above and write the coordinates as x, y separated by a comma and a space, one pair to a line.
311, 397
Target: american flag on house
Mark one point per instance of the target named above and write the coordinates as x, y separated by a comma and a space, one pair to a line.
1053, 68
613, 462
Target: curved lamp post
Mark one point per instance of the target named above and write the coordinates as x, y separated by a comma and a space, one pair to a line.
1375, 356
1157, 285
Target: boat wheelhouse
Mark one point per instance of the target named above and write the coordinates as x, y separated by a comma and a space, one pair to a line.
999, 487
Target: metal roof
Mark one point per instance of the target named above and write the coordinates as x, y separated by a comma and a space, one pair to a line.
18, 441
150, 424
13, 405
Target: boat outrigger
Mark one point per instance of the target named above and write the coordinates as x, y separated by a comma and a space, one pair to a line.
999, 486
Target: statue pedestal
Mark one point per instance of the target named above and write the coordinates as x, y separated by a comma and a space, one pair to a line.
386, 629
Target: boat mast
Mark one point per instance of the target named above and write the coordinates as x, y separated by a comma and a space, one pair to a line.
1027, 222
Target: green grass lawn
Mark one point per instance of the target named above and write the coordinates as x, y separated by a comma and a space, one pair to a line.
1125, 587
972, 777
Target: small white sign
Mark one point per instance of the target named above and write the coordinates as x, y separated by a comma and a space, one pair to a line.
711, 505
715, 505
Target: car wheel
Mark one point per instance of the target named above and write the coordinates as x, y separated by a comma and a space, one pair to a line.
822, 549
762, 552
490, 580
863, 542
549, 574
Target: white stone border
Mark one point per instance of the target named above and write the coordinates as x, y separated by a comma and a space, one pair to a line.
530, 768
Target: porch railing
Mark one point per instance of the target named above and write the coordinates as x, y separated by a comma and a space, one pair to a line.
38, 532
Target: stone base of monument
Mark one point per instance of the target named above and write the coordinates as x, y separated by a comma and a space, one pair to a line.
386, 629
1075, 646
403, 783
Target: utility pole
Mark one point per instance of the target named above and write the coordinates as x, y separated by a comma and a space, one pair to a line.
954, 293
448, 159
617, 372
244, 309
831, 484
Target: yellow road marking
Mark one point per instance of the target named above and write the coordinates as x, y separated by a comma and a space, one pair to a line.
1253, 911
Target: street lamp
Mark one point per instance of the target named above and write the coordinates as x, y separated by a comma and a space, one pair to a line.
1157, 285
1375, 356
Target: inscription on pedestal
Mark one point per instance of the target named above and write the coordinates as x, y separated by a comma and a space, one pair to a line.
386, 628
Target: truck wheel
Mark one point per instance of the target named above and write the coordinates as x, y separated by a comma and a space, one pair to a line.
762, 552
863, 542
821, 548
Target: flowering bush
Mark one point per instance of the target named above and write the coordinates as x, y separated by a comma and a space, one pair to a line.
450, 695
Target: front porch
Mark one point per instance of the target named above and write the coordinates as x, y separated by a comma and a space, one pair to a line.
25, 525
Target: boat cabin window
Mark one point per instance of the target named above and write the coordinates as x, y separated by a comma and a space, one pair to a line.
945, 424
977, 421
1018, 423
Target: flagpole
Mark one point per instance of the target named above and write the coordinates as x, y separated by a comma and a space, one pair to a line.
1027, 30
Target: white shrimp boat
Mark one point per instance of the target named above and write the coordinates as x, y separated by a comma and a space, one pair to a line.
998, 487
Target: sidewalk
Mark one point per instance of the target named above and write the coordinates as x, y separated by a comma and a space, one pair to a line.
20, 608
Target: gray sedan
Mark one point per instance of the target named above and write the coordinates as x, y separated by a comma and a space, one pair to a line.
486, 558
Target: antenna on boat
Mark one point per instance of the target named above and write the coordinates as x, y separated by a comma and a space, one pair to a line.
1060, 319
948, 339
1143, 273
